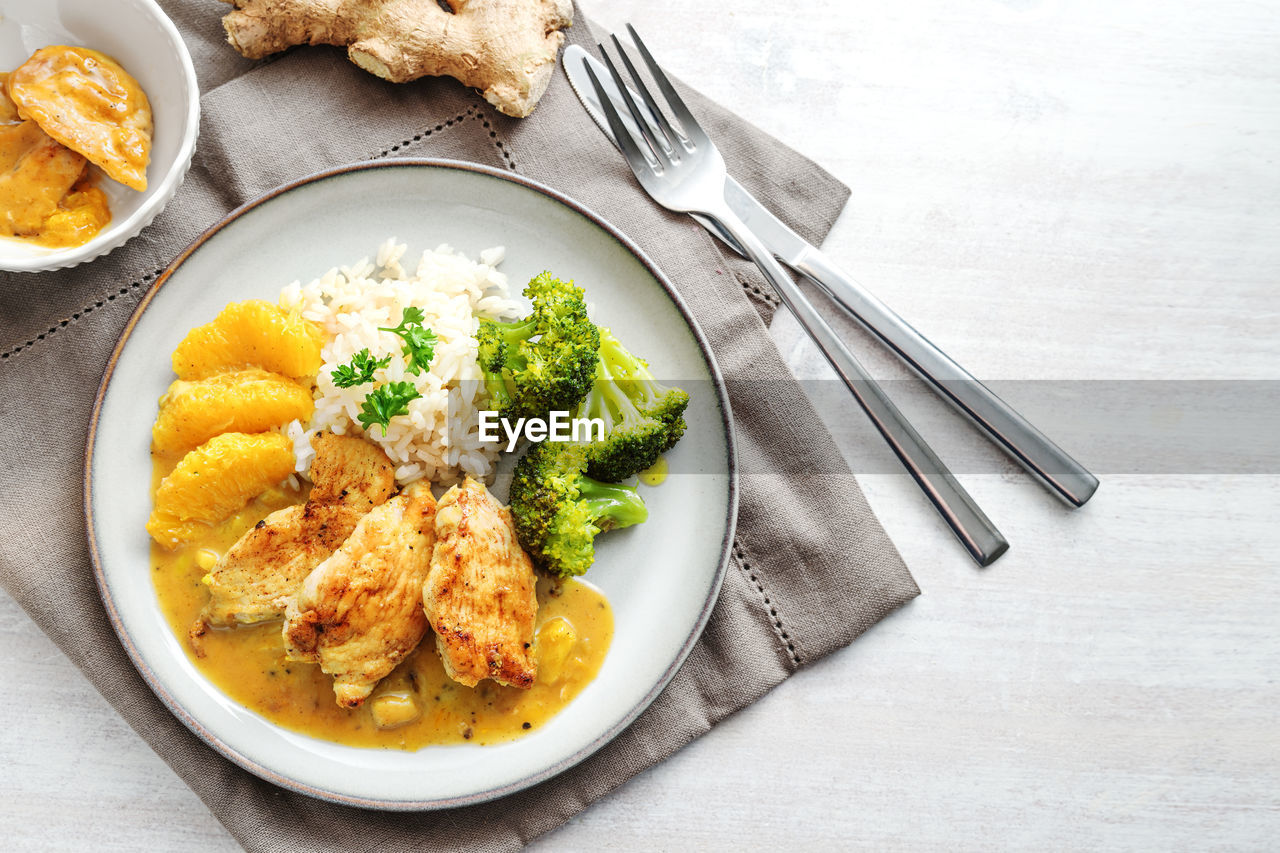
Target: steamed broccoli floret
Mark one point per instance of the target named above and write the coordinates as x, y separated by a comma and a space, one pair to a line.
558, 510
545, 361
643, 418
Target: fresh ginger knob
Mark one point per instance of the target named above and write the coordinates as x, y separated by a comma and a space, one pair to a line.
505, 48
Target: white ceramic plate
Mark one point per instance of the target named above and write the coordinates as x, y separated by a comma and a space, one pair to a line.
661, 577
142, 39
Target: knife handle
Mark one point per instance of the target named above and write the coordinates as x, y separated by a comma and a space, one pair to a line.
970, 524
1032, 449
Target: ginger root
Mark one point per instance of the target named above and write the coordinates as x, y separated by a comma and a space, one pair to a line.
505, 48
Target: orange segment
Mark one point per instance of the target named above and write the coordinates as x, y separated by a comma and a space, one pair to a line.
86, 101
251, 334
215, 480
251, 400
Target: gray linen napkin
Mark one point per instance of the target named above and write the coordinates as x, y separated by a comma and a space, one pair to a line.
811, 567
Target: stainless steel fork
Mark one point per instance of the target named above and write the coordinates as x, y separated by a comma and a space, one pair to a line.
683, 171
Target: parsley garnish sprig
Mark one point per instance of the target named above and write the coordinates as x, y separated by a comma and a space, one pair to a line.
384, 403
419, 342
392, 398
359, 370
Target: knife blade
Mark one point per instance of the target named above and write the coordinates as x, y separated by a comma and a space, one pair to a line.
1034, 451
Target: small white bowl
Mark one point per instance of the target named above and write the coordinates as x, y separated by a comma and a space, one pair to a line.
138, 35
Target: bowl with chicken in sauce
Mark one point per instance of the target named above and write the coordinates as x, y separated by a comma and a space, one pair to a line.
99, 112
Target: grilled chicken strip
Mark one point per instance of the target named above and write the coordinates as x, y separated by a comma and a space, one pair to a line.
35, 171
480, 595
259, 575
359, 613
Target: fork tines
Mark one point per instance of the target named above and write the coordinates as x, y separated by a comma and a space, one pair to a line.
665, 140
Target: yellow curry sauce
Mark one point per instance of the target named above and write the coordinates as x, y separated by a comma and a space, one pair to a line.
656, 474
248, 663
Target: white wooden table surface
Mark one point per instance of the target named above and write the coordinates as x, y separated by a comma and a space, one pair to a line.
1049, 189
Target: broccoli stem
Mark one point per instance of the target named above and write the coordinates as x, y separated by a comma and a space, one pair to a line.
496, 388
619, 358
513, 334
608, 402
517, 331
628, 373
611, 505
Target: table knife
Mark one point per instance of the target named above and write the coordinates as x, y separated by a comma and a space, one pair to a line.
1057, 470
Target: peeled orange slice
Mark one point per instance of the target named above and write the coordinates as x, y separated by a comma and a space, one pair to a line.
251, 334
87, 102
251, 400
215, 480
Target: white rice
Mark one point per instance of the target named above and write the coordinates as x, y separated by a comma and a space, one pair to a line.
439, 437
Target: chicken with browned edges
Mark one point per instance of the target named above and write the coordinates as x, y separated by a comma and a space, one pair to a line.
359, 613
480, 594
259, 575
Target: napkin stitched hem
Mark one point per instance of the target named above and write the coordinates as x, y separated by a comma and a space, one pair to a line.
486, 121
7, 356
739, 556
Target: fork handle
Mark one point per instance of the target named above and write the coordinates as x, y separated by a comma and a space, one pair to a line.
1032, 449
969, 523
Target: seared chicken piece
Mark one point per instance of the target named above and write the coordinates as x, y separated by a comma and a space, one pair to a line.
86, 101
352, 470
35, 174
480, 595
259, 575
360, 612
